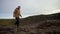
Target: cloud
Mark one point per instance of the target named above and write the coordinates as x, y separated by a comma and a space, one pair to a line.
58, 4
38, 6
29, 7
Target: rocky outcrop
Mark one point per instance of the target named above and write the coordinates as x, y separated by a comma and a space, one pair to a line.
43, 27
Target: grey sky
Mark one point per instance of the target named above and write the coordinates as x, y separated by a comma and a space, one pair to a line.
28, 7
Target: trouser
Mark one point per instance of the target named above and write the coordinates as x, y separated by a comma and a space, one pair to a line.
17, 22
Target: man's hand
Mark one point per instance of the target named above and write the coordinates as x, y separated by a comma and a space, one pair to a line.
20, 16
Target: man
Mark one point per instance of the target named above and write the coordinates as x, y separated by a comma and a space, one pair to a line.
16, 14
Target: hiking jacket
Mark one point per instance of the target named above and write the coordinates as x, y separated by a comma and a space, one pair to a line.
16, 13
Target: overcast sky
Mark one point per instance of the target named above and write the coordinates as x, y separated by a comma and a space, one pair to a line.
28, 7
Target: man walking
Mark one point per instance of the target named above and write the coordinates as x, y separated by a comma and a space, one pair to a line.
16, 14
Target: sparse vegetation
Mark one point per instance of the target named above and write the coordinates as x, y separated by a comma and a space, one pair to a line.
39, 24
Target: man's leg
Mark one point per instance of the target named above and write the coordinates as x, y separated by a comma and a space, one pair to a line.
15, 28
17, 24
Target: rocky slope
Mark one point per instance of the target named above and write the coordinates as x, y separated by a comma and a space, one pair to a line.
39, 24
